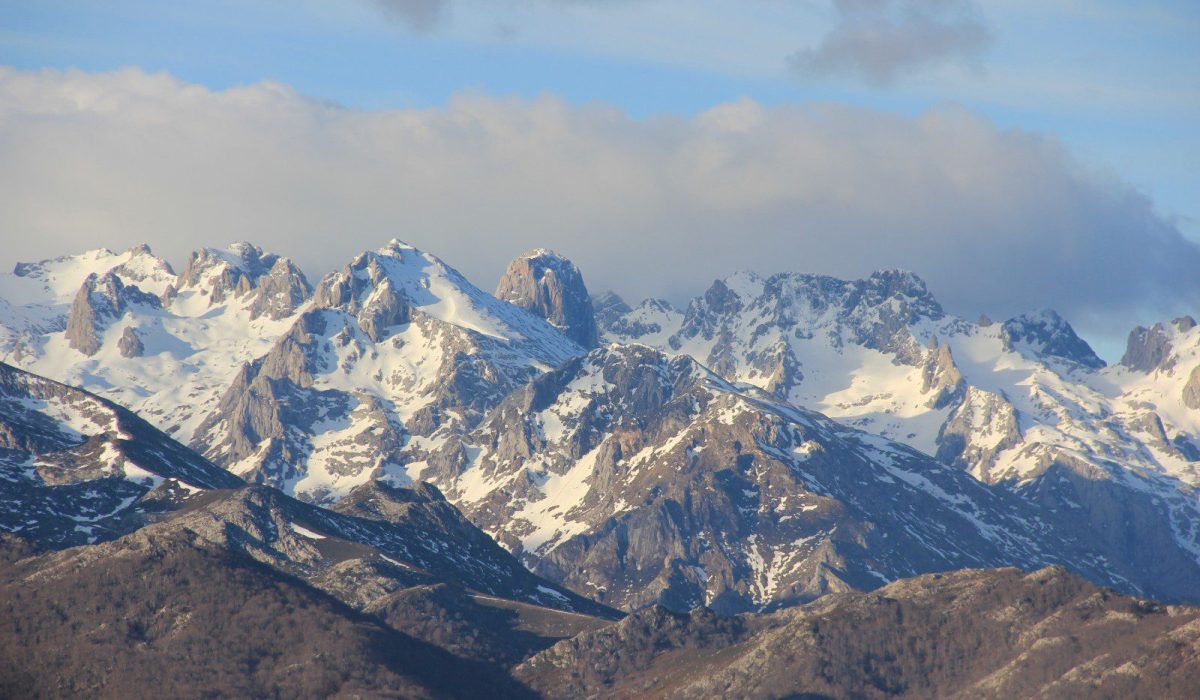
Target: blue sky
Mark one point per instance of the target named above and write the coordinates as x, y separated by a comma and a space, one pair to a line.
1114, 84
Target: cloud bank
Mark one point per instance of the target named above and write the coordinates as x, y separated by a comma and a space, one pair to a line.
997, 221
877, 40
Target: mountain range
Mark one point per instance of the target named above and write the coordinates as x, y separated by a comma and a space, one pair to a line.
579, 497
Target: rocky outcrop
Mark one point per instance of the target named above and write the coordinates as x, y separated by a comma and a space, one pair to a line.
550, 286
144, 269
980, 427
130, 345
269, 398
364, 290
777, 365
608, 307
941, 378
1133, 525
1047, 335
1191, 390
280, 292
269, 284
100, 301
1148, 349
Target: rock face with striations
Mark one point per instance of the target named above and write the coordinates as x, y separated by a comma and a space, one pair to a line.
551, 286
1148, 349
100, 301
942, 378
1191, 390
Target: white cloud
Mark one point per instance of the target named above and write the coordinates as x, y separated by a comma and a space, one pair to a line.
997, 221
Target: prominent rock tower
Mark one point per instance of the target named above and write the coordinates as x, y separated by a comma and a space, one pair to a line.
549, 285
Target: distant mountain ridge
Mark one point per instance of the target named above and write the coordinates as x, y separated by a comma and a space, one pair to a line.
398, 368
797, 460
1024, 404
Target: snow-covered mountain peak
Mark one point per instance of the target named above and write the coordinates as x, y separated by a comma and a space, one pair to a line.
395, 245
266, 283
900, 282
760, 319
1044, 334
386, 287
239, 259
166, 345
396, 344
736, 290
1003, 401
892, 293
56, 281
591, 472
540, 253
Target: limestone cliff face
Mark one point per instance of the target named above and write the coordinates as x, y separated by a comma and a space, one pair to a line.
552, 287
941, 377
364, 290
1191, 390
1148, 349
100, 301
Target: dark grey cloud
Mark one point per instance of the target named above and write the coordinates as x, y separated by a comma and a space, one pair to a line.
420, 15
878, 40
997, 221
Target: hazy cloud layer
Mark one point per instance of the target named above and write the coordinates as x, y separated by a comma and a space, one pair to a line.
877, 40
997, 221
420, 15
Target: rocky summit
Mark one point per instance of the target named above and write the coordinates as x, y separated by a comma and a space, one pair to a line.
552, 287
